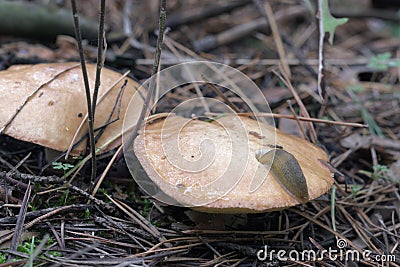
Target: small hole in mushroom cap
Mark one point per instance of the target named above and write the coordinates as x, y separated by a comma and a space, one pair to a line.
180, 186
80, 115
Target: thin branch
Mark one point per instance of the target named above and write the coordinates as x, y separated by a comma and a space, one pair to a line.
117, 106
360, 61
268, 13
179, 56
282, 116
297, 120
19, 227
103, 175
321, 82
11, 178
26, 226
100, 62
203, 12
303, 109
161, 30
73, 144
87, 88
243, 29
221, 95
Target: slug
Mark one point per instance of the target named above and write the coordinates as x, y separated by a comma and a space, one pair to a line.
287, 171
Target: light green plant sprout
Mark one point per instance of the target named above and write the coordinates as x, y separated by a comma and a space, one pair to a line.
62, 166
366, 116
379, 172
357, 88
383, 61
329, 22
3, 258
355, 189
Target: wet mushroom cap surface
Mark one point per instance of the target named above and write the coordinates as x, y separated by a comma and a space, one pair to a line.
57, 105
212, 167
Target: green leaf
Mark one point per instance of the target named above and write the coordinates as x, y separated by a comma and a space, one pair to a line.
355, 189
68, 166
329, 22
62, 166
57, 165
3, 258
368, 119
366, 116
356, 88
383, 61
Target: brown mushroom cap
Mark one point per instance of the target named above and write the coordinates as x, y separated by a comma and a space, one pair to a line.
177, 177
53, 114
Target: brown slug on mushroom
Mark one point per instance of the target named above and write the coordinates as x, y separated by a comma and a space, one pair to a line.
287, 171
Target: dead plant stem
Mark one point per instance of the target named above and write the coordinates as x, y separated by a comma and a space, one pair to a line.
321, 64
100, 61
145, 108
87, 88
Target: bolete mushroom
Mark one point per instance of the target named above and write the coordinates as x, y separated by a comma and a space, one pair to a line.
46, 103
219, 165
